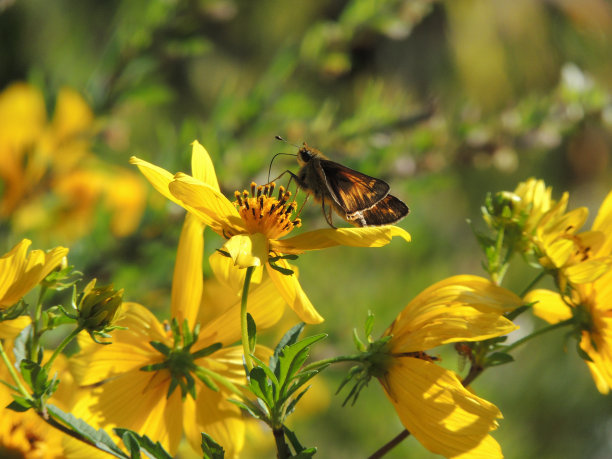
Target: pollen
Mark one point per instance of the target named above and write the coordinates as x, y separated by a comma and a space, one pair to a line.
263, 212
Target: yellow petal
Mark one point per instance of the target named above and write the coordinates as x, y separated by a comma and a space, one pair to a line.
220, 419
20, 273
158, 177
588, 271
328, 237
549, 306
130, 349
72, 115
460, 308
188, 277
9, 329
131, 401
247, 250
208, 204
202, 166
226, 273
290, 289
442, 415
264, 304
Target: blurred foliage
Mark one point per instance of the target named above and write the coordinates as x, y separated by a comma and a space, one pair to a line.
445, 100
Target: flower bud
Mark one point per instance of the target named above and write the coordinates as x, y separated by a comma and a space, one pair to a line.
99, 306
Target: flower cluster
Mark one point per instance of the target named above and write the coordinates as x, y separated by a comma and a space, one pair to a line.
151, 382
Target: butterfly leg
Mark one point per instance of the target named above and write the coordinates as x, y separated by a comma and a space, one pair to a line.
328, 215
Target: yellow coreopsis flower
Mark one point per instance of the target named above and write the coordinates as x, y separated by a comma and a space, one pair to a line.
589, 305
139, 378
26, 435
51, 181
534, 200
20, 272
255, 225
580, 257
430, 401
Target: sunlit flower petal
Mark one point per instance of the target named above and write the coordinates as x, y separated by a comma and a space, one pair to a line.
291, 291
443, 415
549, 305
188, 277
327, 237
20, 273
247, 250
202, 167
9, 329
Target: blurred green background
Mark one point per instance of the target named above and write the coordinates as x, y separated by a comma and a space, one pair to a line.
444, 100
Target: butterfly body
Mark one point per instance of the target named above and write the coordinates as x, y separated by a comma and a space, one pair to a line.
358, 198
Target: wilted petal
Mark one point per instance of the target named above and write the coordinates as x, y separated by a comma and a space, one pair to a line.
443, 416
247, 250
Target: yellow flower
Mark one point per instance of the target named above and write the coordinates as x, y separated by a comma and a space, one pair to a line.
589, 305
534, 200
430, 401
580, 257
51, 181
138, 378
20, 272
26, 435
255, 224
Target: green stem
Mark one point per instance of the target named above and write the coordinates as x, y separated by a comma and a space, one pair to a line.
282, 450
342, 358
36, 322
11, 369
243, 319
61, 347
533, 283
498, 274
539, 332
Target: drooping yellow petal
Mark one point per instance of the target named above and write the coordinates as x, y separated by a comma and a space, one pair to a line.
202, 167
130, 349
290, 289
9, 329
328, 237
600, 365
207, 203
20, 273
247, 250
589, 270
187, 279
443, 416
460, 308
549, 305
213, 414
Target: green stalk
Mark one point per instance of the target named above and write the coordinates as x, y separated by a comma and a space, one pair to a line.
342, 358
36, 322
243, 319
22, 389
539, 332
61, 346
533, 283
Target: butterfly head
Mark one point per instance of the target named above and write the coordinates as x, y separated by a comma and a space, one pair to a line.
305, 154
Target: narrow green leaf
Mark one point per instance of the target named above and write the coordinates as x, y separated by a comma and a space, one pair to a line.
369, 325
498, 358
98, 437
250, 408
288, 338
266, 369
19, 404
153, 449
211, 449
258, 384
252, 332
20, 345
207, 351
161, 347
294, 402
289, 354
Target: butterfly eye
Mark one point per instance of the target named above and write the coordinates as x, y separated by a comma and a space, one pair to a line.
304, 155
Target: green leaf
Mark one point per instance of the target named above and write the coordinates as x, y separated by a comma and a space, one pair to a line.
211, 449
498, 358
207, 351
98, 437
301, 452
161, 347
582, 354
258, 383
250, 408
293, 403
288, 338
267, 370
251, 332
207, 381
143, 443
369, 325
19, 404
293, 352
280, 269
361, 347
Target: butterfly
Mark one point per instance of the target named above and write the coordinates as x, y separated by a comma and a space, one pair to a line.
358, 198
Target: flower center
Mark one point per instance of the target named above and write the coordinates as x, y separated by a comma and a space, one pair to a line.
274, 217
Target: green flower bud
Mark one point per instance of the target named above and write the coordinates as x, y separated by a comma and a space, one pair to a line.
99, 307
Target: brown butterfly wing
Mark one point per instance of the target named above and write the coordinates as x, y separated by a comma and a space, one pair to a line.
352, 190
387, 211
